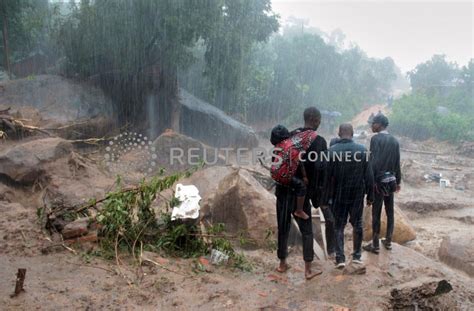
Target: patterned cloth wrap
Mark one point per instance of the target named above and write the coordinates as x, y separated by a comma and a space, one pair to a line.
287, 156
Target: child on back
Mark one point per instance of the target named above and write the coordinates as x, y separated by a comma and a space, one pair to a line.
278, 135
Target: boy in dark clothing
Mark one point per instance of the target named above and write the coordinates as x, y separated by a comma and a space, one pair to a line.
279, 134
350, 179
316, 170
385, 162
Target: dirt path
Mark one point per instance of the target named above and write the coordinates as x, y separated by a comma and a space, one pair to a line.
65, 281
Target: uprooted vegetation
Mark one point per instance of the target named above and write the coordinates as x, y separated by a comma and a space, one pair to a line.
127, 224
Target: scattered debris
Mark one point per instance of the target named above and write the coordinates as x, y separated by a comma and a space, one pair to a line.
20, 280
444, 183
218, 257
188, 207
433, 177
409, 297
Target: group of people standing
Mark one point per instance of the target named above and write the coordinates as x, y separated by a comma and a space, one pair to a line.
338, 180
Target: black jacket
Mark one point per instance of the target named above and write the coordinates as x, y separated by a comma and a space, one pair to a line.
385, 155
350, 175
315, 168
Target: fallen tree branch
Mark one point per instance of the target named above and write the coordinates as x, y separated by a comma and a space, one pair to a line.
15, 124
91, 266
163, 267
90, 141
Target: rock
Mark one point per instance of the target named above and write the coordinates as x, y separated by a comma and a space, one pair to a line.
244, 206
175, 152
56, 97
24, 162
403, 231
77, 228
458, 252
417, 293
355, 269
6, 194
206, 180
212, 126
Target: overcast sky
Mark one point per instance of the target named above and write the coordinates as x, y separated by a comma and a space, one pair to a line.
409, 32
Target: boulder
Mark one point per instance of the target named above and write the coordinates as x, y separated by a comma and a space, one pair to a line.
212, 126
56, 97
24, 162
177, 152
458, 252
403, 231
206, 180
244, 206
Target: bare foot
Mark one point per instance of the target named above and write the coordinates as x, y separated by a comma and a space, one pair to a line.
301, 214
309, 274
283, 267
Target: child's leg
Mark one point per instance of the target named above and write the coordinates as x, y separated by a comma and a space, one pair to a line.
299, 208
300, 191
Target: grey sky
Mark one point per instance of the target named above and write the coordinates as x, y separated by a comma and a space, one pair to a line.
409, 32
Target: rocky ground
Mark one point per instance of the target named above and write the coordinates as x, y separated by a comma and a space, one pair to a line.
38, 171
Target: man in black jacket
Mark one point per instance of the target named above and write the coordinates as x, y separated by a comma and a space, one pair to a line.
350, 178
385, 162
286, 199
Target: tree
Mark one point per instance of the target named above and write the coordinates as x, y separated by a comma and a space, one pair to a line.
22, 23
243, 23
133, 49
433, 75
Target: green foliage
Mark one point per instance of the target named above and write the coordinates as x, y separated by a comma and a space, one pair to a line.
416, 116
128, 221
243, 23
180, 239
294, 70
134, 48
433, 74
127, 216
441, 105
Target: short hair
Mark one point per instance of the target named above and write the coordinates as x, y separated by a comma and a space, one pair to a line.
346, 129
380, 119
311, 113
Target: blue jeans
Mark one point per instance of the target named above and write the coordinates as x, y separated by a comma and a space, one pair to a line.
353, 210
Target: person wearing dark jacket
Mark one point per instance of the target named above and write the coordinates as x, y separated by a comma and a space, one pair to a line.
350, 179
385, 162
316, 170
286, 200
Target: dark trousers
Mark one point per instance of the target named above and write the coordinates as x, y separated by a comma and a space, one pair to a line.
330, 233
286, 203
353, 210
379, 200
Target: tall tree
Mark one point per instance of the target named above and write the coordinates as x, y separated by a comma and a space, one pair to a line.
133, 49
241, 24
22, 23
434, 74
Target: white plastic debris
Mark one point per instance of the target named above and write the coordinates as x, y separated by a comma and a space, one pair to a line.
444, 183
189, 206
218, 257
